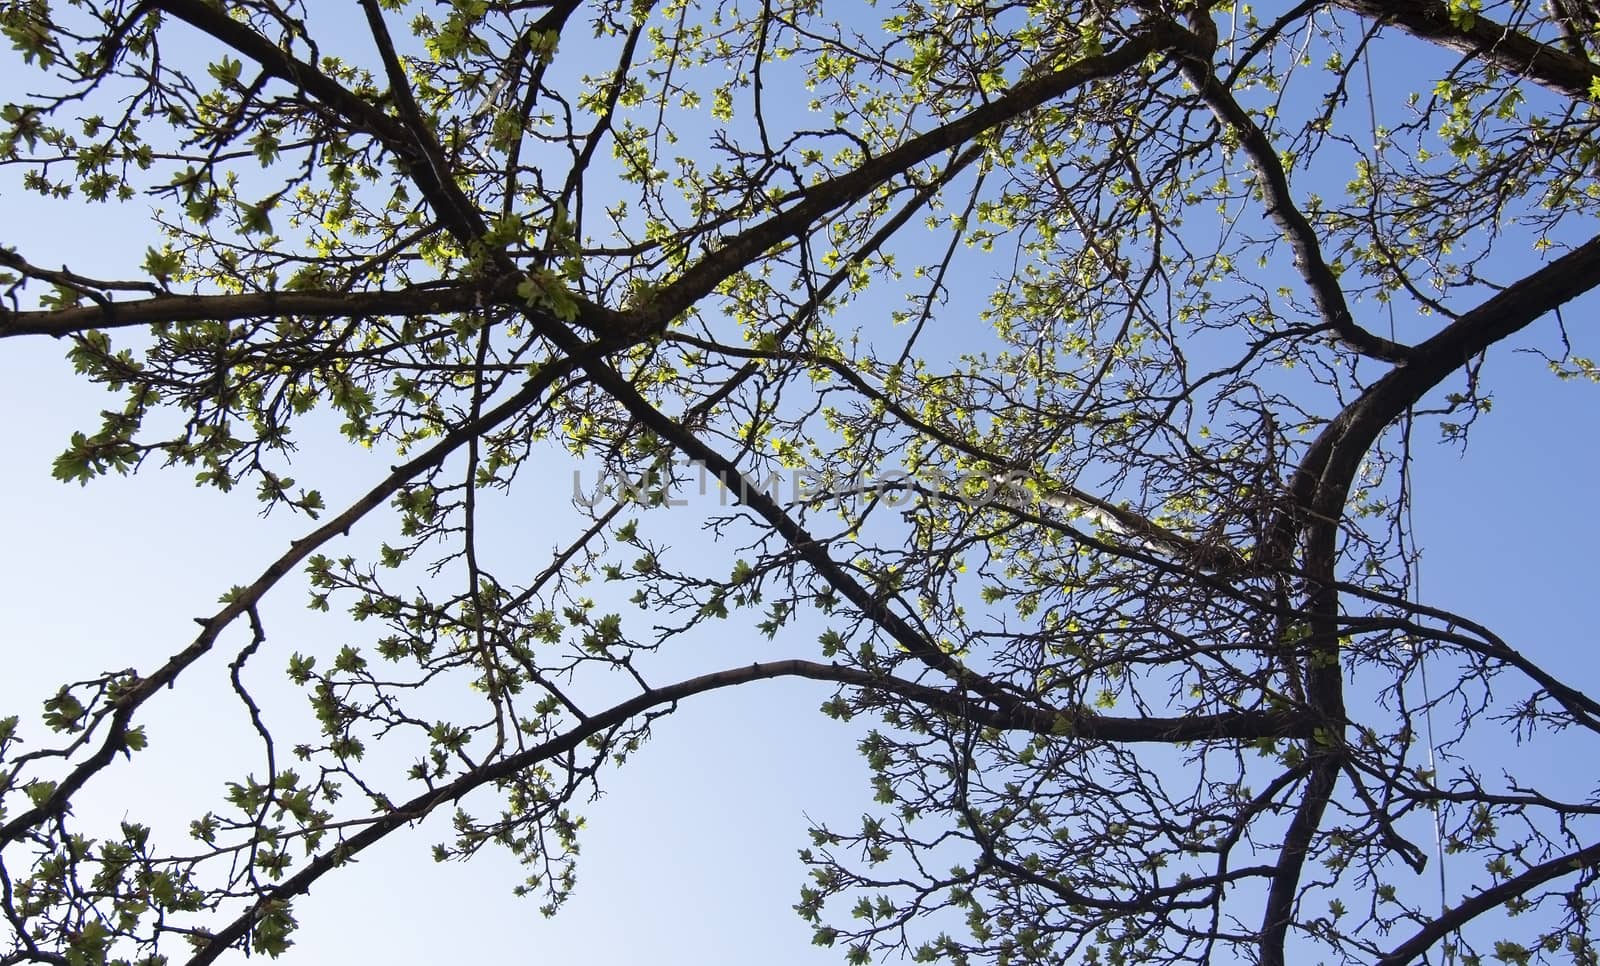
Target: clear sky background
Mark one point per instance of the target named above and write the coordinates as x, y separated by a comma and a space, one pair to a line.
690, 858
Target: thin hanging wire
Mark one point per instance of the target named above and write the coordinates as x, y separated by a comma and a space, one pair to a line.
1413, 557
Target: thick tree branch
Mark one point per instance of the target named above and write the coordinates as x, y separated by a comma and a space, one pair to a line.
1236, 725
1326, 473
740, 250
450, 204
1321, 488
1278, 912
1490, 898
425, 156
1322, 481
253, 305
1281, 208
1487, 40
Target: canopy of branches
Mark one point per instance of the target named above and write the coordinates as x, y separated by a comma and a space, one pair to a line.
1056, 364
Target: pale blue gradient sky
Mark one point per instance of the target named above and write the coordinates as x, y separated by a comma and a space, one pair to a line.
690, 857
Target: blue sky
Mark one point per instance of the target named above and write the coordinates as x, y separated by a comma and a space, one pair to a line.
690, 856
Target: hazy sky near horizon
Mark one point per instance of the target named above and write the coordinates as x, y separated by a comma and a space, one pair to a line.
690, 856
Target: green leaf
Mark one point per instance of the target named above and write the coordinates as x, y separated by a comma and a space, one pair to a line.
64, 712
226, 71
39, 792
162, 265
134, 739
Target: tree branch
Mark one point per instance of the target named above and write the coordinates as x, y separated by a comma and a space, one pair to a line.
1331, 463
457, 297
1487, 40
1245, 724
1488, 899
427, 159
450, 204
241, 602
704, 276
1321, 488
1281, 208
